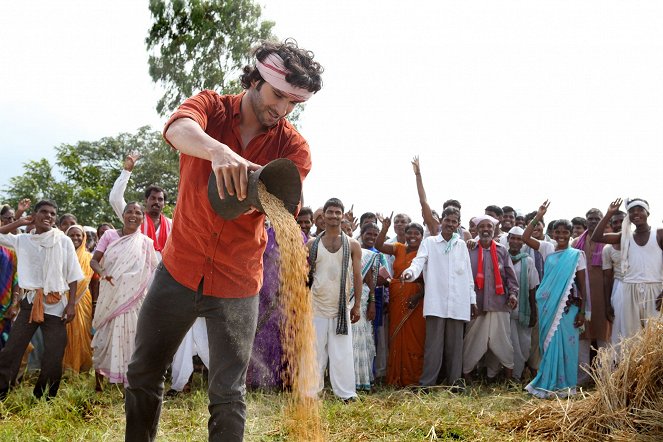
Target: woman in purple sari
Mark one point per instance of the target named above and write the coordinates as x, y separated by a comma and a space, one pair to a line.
266, 366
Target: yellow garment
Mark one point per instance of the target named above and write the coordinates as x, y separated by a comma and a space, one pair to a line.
78, 353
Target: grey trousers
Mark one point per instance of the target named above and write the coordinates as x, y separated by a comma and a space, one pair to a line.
443, 350
167, 313
55, 341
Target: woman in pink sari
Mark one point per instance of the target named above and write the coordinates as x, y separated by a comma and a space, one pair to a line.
125, 259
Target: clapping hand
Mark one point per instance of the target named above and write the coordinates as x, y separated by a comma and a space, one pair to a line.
24, 205
415, 165
386, 222
543, 208
349, 215
614, 207
130, 161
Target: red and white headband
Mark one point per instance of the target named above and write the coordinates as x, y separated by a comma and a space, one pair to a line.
273, 71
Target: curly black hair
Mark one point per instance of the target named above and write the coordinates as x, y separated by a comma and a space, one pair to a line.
303, 71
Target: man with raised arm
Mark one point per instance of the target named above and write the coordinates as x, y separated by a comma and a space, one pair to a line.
47, 269
450, 300
431, 221
642, 263
156, 225
212, 267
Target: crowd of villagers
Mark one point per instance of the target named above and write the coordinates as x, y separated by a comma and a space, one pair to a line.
510, 298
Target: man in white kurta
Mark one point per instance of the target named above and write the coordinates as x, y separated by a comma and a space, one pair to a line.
48, 271
448, 299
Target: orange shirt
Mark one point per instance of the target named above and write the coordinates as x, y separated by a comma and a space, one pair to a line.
202, 245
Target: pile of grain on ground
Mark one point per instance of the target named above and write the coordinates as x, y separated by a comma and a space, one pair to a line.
627, 403
302, 415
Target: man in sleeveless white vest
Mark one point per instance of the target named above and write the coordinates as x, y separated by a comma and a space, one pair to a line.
642, 263
335, 261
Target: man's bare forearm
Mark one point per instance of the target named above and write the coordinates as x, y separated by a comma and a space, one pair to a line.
189, 138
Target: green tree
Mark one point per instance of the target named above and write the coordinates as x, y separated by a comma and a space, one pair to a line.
86, 171
197, 44
37, 182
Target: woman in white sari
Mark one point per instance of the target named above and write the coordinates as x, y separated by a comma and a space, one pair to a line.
125, 259
363, 341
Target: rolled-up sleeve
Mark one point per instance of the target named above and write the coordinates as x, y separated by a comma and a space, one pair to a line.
198, 108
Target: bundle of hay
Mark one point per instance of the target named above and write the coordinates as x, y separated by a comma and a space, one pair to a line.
627, 403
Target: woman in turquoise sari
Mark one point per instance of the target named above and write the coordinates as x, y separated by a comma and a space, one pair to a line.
560, 303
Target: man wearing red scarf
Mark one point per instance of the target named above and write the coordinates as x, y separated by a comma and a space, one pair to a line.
489, 332
155, 225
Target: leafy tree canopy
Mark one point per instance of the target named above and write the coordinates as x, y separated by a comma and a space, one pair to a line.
197, 44
85, 172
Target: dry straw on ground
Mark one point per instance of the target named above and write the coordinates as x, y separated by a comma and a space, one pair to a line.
302, 415
627, 403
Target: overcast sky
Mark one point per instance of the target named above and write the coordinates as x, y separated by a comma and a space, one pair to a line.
506, 103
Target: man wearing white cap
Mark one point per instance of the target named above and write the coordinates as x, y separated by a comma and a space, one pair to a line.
496, 287
525, 316
642, 263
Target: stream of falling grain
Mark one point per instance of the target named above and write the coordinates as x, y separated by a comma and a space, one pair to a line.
302, 414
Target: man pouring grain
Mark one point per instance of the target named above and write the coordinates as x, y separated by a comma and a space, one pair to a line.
212, 267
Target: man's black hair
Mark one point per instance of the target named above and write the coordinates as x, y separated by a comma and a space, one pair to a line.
333, 202
497, 210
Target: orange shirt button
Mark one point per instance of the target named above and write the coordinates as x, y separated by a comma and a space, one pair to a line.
208, 260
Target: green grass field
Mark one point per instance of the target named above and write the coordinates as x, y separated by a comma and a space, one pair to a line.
80, 414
